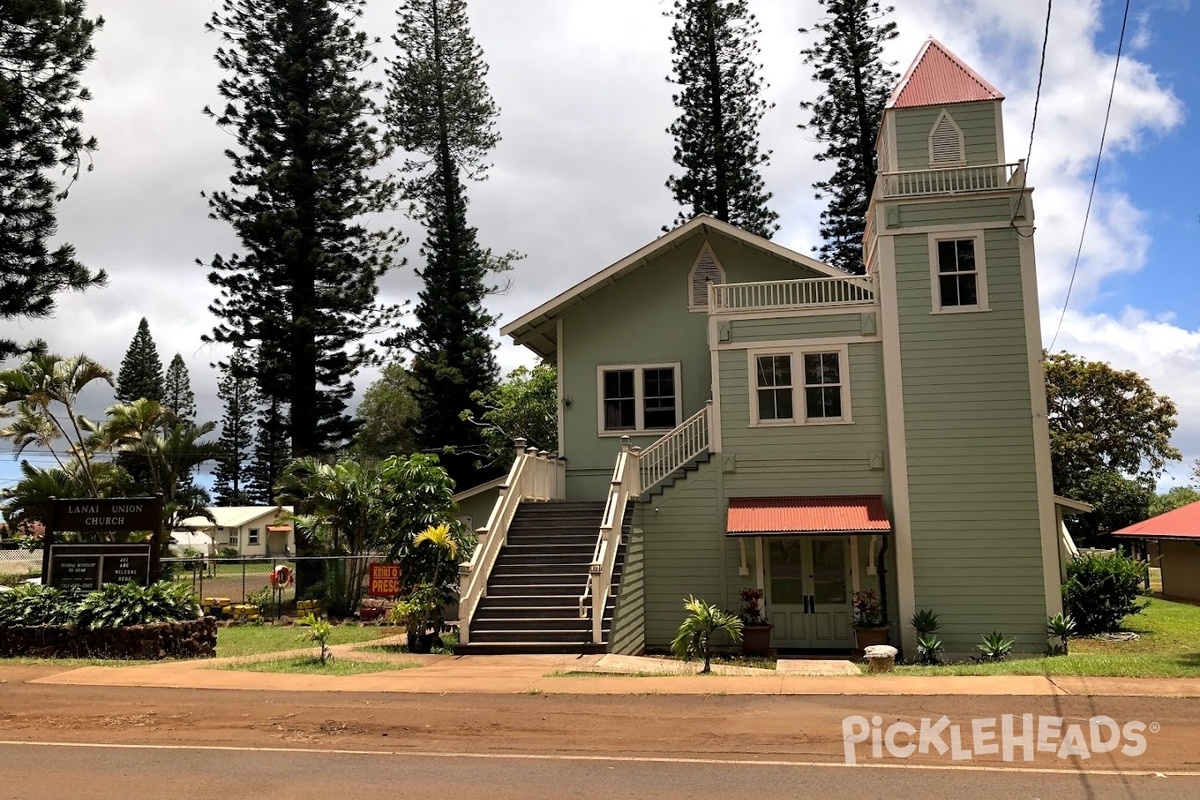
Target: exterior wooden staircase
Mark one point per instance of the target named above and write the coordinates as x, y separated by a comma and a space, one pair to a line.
532, 599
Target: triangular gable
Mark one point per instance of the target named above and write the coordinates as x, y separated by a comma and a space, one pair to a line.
938, 77
537, 329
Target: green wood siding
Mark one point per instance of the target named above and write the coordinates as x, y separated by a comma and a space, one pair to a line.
796, 327
978, 124
629, 629
478, 507
804, 459
684, 551
968, 431
643, 318
955, 212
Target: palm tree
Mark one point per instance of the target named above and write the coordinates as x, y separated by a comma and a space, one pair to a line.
696, 633
44, 379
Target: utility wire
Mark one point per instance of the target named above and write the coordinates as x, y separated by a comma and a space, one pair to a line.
1095, 175
1037, 97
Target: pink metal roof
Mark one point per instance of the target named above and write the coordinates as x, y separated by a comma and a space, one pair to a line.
1182, 523
796, 515
937, 77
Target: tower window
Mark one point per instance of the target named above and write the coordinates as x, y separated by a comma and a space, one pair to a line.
946, 146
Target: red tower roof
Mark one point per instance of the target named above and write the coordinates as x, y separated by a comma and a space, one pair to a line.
937, 77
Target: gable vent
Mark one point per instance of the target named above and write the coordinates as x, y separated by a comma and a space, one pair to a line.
946, 142
707, 270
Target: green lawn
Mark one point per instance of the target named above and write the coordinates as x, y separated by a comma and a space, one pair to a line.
1169, 647
311, 665
248, 640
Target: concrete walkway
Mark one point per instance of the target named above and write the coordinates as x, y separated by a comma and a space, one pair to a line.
591, 675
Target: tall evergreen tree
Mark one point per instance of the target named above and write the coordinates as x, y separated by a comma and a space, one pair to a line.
847, 59
141, 373
301, 293
713, 60
177, 394
271, 451
442, 115
44, 47
232, 484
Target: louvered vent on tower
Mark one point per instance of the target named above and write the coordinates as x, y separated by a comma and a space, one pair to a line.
946, 142
706, 270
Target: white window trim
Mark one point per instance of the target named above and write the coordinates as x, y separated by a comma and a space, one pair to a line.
962, 142
639, 399
981, 282
799, 401
705, 248
235, 537
252, 537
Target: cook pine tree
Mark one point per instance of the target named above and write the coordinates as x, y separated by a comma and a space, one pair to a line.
443, 117
141, 373
231, 486
44, 49
299, 295
177, 394
714, 54
847, 62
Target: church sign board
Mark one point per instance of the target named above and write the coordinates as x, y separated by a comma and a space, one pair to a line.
88, 566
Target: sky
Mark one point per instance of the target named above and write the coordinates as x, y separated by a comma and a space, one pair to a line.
578, 180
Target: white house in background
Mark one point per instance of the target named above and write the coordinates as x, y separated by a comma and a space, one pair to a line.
251, 530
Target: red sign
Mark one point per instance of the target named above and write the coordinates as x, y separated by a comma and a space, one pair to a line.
385, 580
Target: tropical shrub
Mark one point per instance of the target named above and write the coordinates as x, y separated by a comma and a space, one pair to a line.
31, 606
924, 622
1102, 590
929, 649
704, 621
319, 631
995, 647
421, 615
117, 606
868, 611
752, 611
1062, 628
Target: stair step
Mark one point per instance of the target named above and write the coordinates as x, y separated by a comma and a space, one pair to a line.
534, 590
526, 648
549, 624
521, 608
580, 634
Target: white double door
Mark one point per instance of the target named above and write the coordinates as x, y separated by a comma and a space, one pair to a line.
808, 592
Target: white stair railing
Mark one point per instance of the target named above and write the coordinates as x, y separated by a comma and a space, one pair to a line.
535, 476
604, 558
675, 449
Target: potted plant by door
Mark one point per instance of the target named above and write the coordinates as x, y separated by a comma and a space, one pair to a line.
869, 626
756, 631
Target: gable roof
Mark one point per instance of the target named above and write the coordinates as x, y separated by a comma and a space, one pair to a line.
1182, 523
537, 329
232, 516
937, 77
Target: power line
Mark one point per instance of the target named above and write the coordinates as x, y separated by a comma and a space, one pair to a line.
1037, 98
1095, 176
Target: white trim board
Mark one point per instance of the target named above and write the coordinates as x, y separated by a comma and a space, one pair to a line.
798, 343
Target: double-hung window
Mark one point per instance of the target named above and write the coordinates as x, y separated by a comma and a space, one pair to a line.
639, 398
233, 537
959, 278
800, 386
252, 537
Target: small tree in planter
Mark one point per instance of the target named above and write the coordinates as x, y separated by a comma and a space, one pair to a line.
756, 631
869, 625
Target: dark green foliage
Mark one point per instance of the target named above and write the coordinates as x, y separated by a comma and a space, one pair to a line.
1102, 590
1061, 627
420, 495
995, 647
1119, 501
300, 293
177, 396
272, 451
924, 622
1173, 498
929, 649
713, 61
387, 415
141, 373
32, 606
847, 62
44, 47
236, 389
118, 606
524, 406
441, 114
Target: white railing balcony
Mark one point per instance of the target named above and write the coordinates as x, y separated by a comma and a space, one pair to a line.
790, 295
951, 180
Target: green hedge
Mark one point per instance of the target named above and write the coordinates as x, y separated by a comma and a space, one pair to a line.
1102, 590
112, 607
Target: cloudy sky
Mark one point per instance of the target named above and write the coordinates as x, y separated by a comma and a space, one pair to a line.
578, 180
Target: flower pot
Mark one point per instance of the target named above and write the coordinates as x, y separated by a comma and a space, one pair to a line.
865, 637
756, 640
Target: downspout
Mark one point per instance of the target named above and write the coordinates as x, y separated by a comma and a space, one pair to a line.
881, 569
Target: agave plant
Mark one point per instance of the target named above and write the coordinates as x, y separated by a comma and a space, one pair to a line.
704, 621
929, 649
995, 647
924, 622
1062, 628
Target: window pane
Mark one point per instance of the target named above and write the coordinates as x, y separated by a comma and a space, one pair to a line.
948, 286
774, 370
658, 395
659, 383
965, 249
967, 294
823, 403
619, 415
660, 412
783, 404
618, 384
774, 404
821, 369
812, 369
946, 257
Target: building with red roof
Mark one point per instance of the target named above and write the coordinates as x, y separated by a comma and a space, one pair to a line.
1178, 536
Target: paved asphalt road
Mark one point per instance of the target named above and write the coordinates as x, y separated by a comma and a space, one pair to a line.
99, 772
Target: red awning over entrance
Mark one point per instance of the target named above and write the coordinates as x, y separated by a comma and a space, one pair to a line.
797, 516
279, 528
